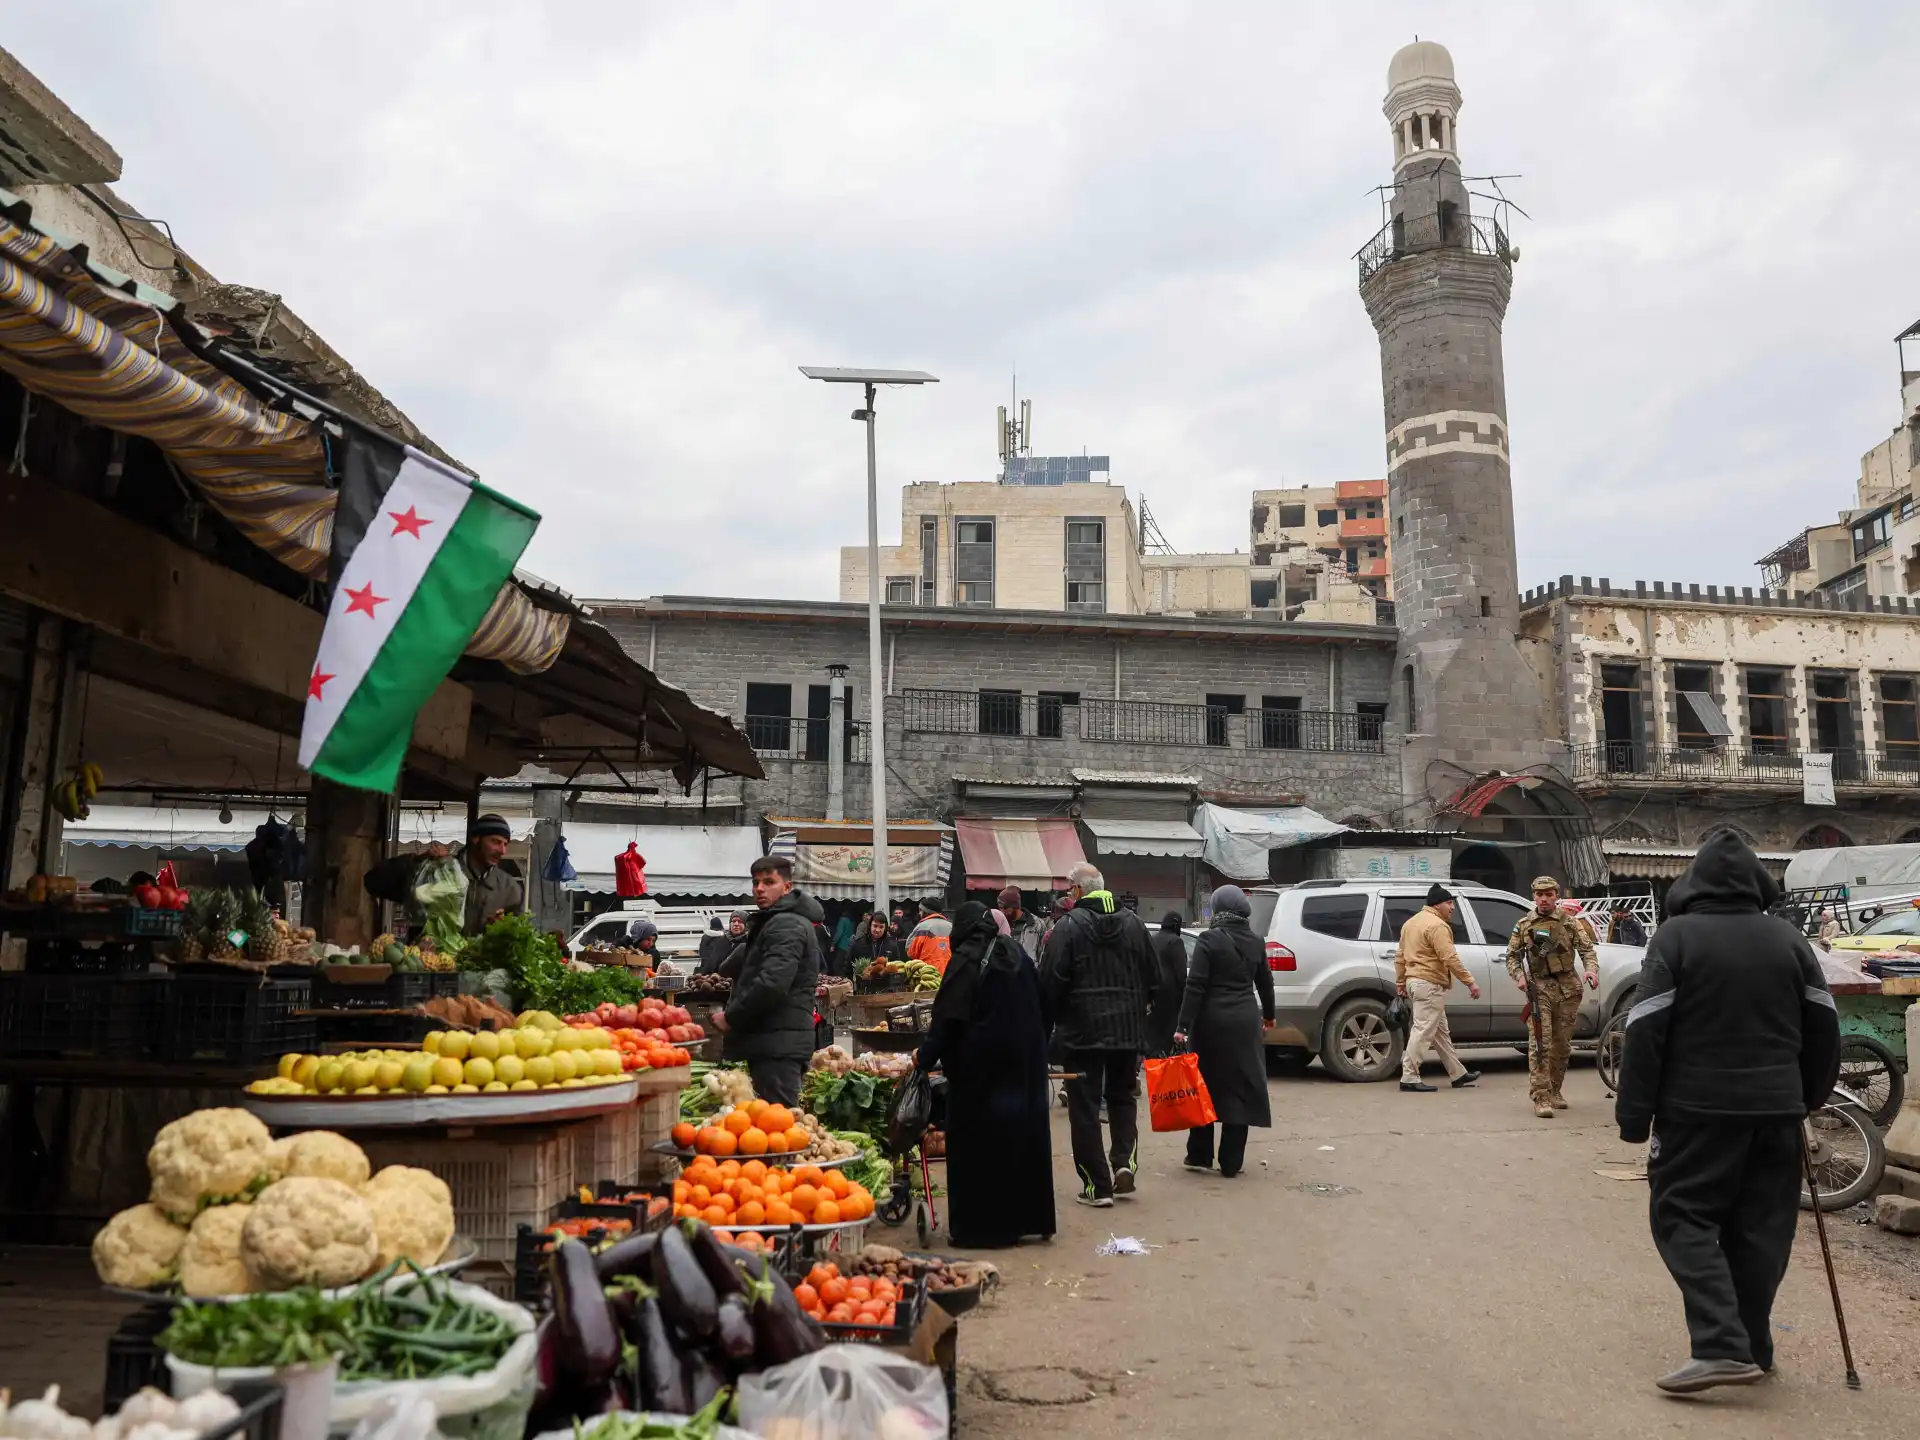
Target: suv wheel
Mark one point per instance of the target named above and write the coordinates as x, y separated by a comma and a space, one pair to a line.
1357, 1043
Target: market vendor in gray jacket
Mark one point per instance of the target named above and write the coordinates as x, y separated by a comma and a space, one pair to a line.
492, 890
768, 1021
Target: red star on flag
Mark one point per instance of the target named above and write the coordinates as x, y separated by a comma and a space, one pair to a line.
408, 523
364, 599
317, 684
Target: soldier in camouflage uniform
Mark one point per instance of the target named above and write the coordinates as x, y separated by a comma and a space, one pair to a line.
1546, 946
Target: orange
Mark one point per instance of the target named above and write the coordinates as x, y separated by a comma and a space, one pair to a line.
778, 1117
722, 1201
776, 1142
700, 1196
682, 1191
838, 1184
714, 1215
738, 1122
804, 1198
755, 1170
730, 1169
757, 1111
808, 1174
683, 1135
857, 1206
781, 1213
684, 1212
725, 1142
826, 1213
798, 1139
753, 1142
751, 1213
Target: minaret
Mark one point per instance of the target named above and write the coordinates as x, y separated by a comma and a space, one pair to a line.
1435, 282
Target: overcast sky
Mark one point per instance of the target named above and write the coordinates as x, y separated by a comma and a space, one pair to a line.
586, 245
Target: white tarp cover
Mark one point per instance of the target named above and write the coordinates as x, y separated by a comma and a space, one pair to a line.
192, 828
1236, 842
1862, 868
681, 859
1145, 837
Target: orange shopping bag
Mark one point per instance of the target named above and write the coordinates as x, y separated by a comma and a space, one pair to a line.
1176, 1095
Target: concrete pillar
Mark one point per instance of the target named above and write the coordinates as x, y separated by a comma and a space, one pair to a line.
47, 736
1802, 710
344, 841
1903, 1139
550, 901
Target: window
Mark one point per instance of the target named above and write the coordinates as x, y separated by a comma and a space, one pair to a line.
1086, 563
1085, 595
1413, 710
1049, 712
1373, 718
1486, 606
1620, 715
1280, 722
1498, 918
1337, 915
1219, 707
1292, 517
1767, 712
973, 561
900, 590
1263, 903
1353, 558
999, 712
1400, 526
1329, 517
770, 716
819, 720
1698, 723
1396, 910
1900, 720
1353, 512
929, 560
1085, 532
1833, 716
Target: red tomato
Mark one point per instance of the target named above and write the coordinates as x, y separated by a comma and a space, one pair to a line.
148, 896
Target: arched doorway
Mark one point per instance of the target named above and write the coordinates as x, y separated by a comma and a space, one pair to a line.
1487, 865
1911, 837
1824, 837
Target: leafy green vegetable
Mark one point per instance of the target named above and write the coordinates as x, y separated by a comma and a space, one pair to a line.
292, 1327
625, 1425
535, 973
872, 1169
854, 1101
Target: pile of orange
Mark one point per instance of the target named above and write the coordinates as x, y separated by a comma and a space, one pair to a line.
862, 1300
747, 1130
729, 1194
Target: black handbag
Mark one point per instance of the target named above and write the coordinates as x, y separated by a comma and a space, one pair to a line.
910, 1113
1400, 1014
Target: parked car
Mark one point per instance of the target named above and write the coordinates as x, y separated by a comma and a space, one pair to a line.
1331, 943
680, 928
1892, 923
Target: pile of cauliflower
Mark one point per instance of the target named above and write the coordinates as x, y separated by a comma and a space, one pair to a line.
234, 1211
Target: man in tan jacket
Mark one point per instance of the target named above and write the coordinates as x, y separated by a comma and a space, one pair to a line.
1424, 969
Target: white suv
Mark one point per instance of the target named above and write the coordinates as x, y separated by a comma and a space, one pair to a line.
1330, 945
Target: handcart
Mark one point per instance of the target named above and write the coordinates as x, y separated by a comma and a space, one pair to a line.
900, 1201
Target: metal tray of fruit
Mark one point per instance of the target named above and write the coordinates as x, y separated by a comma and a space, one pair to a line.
515, 1107
772, 1162
460, 1253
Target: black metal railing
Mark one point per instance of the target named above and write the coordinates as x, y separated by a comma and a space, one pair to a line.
1445, 230
1147, 722
1899, 767
1324, 730
802, 737
982, 712
1136, 722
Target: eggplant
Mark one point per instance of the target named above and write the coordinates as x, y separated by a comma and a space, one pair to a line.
735, 1330
663, 1382
587, 1348
714, 1260
705, 1379
686, 1295
780, 1332
628, 1257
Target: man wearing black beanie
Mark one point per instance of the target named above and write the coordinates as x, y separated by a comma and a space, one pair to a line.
1424, 969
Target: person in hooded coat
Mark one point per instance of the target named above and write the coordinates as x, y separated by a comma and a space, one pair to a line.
989, 1034
874, 940
1228, 1005
716, 945
1170, 946
1732, 1040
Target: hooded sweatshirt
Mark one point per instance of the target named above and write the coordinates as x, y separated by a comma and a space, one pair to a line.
770, 1014
1100, 976
1732, 1019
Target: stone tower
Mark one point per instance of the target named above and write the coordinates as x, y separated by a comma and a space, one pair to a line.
1435, 281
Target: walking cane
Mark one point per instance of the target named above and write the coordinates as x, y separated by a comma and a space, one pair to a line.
1833, 1285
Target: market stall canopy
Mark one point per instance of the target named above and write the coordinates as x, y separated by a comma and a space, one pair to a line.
1630, 861
1145, 837
196, 828
1031, 854
681, 859
833, 859
1236, 842
1861, 868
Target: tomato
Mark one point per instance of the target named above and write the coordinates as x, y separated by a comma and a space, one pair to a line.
808, 1297
147, 896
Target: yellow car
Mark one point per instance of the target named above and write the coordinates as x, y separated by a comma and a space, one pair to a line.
1896, 929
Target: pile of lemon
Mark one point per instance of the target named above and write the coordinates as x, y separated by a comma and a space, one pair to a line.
541, 1053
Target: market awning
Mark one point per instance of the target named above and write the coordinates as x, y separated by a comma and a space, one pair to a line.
681, 859
193, 828
1236, 842
833, 859
1145, 837
1032, 854
1472, 799
1629, 861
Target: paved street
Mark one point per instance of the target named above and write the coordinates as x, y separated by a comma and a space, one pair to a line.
1473, 1274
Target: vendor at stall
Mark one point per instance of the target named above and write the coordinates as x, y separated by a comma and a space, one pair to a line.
492, 890
768, 1021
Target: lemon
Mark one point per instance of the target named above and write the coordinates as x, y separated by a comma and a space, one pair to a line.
529, 1044
287, 1062
510, 1068
326, 1078
417, 1075
303, 1073
358, 1075
368, 1090
572, 1084
447, 1071
507, 1041
454, 1044
387, 1074
494, 1087
484, 1046
606, 1062
466, 1090
564, 1066
261, 1087
540, 1070
432, 1043
479, 1071
523, 1085
435, 1090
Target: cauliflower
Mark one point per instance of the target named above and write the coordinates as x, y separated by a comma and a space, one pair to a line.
210, 1263
307, 1230
408, 1175
325, 1154
138, 1248
210, 1157
409, 1222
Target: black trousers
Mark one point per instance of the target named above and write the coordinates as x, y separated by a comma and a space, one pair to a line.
777, 1081
1724, 1203
1233, 1147
1109, 1074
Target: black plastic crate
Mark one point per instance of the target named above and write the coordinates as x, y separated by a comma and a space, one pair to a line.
532, 1243
415, 987
79, 1016
907, 1310
406, 1031
236, 1019
134, 1357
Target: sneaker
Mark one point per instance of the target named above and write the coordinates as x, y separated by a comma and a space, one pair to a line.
1698, 1375
1196, 1169
1419, 1085
1123, 1180
1461, 1081
1098, 1202
1543, 1110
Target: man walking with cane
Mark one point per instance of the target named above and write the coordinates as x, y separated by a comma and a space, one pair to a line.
1732, 1040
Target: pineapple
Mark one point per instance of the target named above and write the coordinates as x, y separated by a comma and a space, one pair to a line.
266, 941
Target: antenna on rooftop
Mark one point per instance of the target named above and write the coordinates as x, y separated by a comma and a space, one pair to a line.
1152, 542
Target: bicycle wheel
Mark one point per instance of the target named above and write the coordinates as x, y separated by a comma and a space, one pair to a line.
1848, 1156
1871, 1072
1608, 1049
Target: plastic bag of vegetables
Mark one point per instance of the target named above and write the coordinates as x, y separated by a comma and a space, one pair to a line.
440, 900
846, 1392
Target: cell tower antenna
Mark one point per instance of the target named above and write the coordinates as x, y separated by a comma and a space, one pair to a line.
1152, 542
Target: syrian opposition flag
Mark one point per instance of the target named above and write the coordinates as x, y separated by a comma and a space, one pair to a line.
419, 553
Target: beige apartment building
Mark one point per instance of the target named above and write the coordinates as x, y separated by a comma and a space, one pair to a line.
1343, 525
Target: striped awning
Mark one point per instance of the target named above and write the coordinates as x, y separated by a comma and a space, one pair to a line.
1032, 854
834, 863
122, 355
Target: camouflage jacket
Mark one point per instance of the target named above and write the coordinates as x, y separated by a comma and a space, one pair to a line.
1550, 944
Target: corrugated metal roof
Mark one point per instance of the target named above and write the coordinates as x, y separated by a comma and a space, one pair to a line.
1145, 837
1132, 777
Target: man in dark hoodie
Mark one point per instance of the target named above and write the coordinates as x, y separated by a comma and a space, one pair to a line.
768, 1021
1732, 1039
1099, 979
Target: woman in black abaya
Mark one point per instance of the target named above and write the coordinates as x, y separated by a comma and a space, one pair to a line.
989, 1034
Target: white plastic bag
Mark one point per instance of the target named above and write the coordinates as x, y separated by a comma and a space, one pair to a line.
846, 1392
491, 1405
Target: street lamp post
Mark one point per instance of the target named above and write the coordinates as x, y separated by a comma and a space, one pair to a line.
877, 736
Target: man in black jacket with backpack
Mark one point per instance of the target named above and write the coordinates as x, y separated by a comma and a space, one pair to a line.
1731, 1041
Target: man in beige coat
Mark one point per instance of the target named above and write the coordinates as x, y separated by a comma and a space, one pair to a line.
1424, 970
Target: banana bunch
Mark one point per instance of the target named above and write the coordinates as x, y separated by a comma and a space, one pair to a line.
922, 975
81, 784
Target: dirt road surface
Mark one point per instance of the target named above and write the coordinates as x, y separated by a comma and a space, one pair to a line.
1395, 1264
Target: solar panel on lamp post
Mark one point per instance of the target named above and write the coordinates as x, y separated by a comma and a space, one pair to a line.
876, 723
